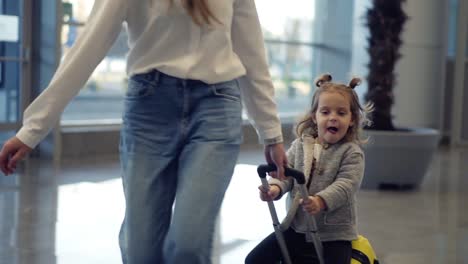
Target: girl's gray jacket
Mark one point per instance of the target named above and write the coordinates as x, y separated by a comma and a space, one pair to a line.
336, 179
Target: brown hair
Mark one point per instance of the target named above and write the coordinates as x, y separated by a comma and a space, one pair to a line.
358, 113
199, 11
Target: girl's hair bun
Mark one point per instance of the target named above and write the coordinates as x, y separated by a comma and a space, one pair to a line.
354, 82
323, 79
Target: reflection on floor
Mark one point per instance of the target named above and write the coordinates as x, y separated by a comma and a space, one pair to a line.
70, 212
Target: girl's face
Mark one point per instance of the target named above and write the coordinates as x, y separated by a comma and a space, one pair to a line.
333, 117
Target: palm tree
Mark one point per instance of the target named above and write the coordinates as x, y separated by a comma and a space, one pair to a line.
385, 20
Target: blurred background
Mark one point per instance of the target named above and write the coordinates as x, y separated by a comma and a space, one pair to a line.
72, 178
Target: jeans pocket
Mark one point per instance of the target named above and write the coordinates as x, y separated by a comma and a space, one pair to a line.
229, 90
139, 86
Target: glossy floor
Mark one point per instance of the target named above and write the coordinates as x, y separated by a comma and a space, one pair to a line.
70, 212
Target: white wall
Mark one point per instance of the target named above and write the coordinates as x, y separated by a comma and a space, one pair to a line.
421, 69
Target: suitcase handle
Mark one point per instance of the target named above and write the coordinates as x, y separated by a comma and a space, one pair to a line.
262, 171
312, 234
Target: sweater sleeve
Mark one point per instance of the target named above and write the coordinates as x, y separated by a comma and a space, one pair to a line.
256, 86
100, 32
347, 181
284, 185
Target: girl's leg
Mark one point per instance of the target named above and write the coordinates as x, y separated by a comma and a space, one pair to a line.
212, 125
267, 252
302, 252
337, 252
150, 141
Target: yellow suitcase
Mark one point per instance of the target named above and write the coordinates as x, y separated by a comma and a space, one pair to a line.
363, 253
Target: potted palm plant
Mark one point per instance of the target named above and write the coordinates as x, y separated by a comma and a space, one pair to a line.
396, 157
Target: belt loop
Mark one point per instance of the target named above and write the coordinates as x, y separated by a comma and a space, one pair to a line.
156, 77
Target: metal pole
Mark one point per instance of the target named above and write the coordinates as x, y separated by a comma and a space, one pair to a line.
311, 234
276, 226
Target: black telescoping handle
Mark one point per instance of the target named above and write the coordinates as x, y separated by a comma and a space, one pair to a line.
311, 235
263, 169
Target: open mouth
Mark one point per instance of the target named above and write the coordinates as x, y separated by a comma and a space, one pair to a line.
332, 129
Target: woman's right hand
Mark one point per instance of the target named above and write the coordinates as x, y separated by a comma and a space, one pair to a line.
13, 151
269, 195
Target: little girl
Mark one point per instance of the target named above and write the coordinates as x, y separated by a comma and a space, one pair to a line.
327, 150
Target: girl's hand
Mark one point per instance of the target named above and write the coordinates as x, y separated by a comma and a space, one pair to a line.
273, 174
269, 195
313, 204
13, 151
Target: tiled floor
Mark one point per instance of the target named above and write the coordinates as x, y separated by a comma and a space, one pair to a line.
70, 212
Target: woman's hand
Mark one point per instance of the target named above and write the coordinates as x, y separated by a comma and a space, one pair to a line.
275, 154
269, 195
313, 204
13, 151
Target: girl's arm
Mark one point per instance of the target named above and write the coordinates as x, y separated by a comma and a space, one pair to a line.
100, 32
347, 181
273, 193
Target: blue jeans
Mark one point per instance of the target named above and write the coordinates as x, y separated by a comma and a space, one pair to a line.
179, 144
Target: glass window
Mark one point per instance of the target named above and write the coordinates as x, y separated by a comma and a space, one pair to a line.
288, 31
11, 41
101, 98
303, 38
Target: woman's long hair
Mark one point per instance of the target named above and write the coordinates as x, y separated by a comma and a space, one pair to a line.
199, 11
